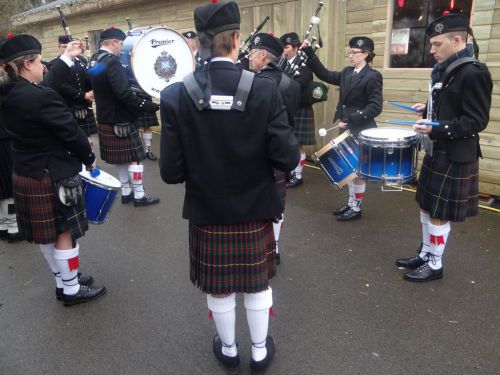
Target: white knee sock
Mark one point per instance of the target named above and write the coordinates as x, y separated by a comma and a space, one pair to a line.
135, 171
224, 313
350, 185
257, 306
277, 230
424, 219
438, 236
359, 194
8, 220
147, 137
124, 178
300, 166
67, 262
48, 253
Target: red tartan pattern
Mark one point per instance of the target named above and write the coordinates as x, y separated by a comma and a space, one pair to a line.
39, 215
116, 150
232, 258
448, 190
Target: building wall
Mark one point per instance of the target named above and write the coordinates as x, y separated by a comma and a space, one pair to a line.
340, 20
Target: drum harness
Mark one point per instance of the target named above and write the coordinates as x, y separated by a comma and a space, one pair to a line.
219, 102
425, 140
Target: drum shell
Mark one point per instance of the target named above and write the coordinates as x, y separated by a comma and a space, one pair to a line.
98, 200
339, 159
383, 159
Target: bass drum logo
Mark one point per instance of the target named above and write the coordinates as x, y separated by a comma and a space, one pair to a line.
165, 66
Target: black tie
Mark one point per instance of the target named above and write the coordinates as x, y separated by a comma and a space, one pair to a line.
354, 73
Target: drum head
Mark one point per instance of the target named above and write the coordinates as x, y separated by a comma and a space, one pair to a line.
104, 180
160, 57
388, 134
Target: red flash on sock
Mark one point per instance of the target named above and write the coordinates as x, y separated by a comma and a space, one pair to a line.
303, 162
73, 264
437, 240
359, 195
210, 315
271, 313
137, 176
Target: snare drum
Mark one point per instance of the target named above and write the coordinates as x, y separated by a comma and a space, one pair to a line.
155, 57
339, 159
388, 155
99, 193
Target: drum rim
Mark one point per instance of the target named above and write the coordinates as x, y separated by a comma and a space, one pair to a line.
132, 53
406, 139
92, 181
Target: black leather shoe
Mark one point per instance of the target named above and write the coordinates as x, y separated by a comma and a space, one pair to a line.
146, 200
82, 280
341, 210
85, 294
16, 237
424, 273
277, 256
350, 214
3, 235
410, 263
151, 156
230, 363
294, 182
127, 198
262, 365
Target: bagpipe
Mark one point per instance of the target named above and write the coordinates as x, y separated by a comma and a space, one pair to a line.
315, 92
246, 45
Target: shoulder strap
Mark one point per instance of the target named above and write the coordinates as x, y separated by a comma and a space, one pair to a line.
243, 90
102, 56
456, 64
284, 83
195, 92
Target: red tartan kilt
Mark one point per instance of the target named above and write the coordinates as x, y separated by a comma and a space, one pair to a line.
448, 190
232, 258
116, 150
40, 216
280, 180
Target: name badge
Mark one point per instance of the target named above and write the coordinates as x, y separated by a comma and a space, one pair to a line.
221, 102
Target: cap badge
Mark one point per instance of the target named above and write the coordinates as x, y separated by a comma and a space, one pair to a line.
256, 41
439, 28
360, 42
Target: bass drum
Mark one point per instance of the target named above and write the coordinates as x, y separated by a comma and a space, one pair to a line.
155, 57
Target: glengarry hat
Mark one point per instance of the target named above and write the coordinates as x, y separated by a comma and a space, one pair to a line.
19, 45
362, 42
215, 18
113, 33
268, 43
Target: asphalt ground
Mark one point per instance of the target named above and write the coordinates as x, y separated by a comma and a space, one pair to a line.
341, 306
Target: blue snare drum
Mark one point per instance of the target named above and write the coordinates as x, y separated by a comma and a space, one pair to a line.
388, 155
339, 159
155, 57
99, 193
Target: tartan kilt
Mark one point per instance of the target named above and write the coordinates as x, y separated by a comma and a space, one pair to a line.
304, 128
88, 124
115, 150
232, 258
146, 120
280, 181
5, 169
40, 215
448, 190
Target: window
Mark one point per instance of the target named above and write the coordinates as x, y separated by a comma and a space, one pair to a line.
409, 47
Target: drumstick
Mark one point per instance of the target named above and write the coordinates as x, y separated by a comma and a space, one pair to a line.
322, 132
408, 108
406, 122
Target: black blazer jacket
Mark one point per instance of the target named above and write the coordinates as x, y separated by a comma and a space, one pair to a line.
226, 157
361, 97
462, 107
290, 96
43, 132
114, 99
